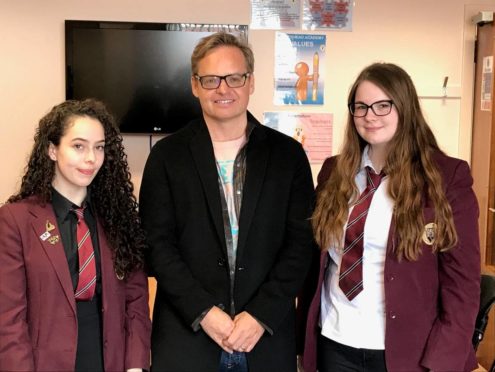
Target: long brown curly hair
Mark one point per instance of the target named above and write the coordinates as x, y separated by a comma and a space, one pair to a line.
111, 190
414, 177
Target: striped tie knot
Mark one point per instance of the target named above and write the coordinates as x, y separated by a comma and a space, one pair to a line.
79, 213
373, 178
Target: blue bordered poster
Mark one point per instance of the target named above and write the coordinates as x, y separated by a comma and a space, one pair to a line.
299, 78
312, 130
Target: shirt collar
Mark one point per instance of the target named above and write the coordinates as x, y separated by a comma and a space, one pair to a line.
365, 160
62, 206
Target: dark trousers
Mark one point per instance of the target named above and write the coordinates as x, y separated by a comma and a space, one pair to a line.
335, 357
89, 355
235, 362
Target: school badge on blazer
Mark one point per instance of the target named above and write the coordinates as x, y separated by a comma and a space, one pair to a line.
429, 233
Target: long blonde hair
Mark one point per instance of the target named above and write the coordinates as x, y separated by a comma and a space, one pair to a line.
414, 177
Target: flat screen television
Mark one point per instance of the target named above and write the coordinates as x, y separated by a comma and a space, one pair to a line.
140, 70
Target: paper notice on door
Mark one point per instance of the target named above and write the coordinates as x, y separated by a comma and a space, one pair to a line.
487, 84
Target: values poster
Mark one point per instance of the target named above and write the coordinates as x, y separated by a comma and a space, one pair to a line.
275, 14
299, 80
312, 130
327, 14
486, 84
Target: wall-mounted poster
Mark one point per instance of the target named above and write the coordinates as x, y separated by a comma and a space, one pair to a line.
275, 14
327, 14
312, 130
299, 78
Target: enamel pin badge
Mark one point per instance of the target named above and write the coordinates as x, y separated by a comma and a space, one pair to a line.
47, 235
53, 239
49, 226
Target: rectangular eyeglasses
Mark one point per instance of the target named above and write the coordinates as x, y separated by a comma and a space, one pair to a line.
379, 108
214, 81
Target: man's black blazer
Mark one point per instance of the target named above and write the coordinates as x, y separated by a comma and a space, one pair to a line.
181, 211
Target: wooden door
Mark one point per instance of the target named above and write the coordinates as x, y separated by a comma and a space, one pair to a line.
483, 148
483, 166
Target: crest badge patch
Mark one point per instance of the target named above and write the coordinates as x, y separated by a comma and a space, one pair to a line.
429, 233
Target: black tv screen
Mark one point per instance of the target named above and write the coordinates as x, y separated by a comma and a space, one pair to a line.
140, 70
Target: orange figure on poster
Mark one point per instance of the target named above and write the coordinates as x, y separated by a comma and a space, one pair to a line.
302, 70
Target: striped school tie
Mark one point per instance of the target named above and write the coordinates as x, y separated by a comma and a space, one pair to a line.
351, 268
87, 267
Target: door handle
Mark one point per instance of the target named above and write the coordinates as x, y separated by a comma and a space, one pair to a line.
491, 210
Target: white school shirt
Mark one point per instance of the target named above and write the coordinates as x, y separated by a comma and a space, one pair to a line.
360, 323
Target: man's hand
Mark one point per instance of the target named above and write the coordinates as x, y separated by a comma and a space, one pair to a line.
246, 334
218, 325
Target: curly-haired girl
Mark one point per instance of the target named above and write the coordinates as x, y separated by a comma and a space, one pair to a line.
74, 295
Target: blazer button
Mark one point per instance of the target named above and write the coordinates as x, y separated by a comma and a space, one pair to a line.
221, 262
241, 268
392, 315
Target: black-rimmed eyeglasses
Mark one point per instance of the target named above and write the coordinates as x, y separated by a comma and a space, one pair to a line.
214, 81
379, 108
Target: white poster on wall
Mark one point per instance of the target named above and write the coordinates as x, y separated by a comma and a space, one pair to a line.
275, 14
486, 84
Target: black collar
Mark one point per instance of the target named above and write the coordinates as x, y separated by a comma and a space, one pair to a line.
63, 206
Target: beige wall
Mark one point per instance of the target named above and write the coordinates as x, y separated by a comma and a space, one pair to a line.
430, 39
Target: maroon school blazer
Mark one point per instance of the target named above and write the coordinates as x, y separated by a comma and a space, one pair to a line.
38, 322
431, 304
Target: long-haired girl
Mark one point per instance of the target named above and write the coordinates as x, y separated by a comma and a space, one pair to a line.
73, 295
396, 222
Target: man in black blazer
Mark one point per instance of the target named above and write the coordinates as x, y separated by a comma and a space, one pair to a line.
226, 204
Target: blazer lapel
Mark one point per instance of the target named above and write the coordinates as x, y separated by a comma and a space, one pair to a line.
256, 163
204, 158
45, 227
